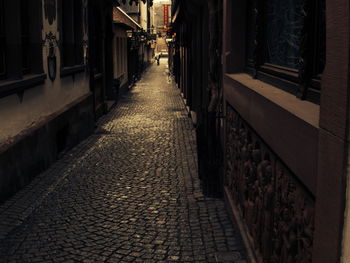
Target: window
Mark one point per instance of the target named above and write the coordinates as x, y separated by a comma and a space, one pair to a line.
25, 36
20, 38
78, 32
284, 23
286, 44
251, 21
97, 42
21, 63
2, 42
119, 56
72, 33
125, 52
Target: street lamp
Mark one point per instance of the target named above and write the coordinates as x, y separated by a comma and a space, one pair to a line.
143, 38
129, 33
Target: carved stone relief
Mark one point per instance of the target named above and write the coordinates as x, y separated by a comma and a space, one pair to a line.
277, 210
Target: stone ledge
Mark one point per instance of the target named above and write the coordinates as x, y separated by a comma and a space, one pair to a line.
15, 86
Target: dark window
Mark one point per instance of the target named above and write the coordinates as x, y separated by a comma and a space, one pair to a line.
72, 33
21, 61
97, 41
78, 32
2, 42
25, 36
284, 21
286, 44
320, 39
250, 33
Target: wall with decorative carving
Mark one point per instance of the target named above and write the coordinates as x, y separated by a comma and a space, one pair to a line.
120, 51
54, 94
46, 117
276, 209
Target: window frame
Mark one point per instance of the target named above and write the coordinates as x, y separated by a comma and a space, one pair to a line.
25, 37
2, 41
72, 61
303, 82
96, 45
15, 80
78, 32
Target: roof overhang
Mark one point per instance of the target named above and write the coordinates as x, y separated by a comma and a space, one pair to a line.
122, 25
176, 14
122, 18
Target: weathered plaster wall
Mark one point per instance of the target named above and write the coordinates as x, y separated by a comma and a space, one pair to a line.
120, 60
143, 15
41, 101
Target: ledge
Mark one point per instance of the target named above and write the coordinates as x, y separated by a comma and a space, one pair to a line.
305, 110
68, 71
11, 141
288, 125
14, 86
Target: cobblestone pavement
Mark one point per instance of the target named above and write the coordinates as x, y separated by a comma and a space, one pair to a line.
129, 193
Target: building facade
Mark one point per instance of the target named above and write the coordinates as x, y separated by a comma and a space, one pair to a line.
162, 16
125, 53
53, 84
142, 13
267, 85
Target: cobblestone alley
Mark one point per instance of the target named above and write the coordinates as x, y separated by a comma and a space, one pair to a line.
129, 193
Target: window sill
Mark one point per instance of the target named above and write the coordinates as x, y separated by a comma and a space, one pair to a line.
288, 125
68, 71
287, 80
14, 86
305, 110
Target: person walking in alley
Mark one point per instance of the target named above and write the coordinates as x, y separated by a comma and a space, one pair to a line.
158, 58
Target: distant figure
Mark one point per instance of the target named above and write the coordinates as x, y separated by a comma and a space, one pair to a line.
158, 58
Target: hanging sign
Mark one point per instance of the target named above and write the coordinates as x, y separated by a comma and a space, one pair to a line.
166, 14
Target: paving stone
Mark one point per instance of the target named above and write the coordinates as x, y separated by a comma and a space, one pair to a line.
128, 193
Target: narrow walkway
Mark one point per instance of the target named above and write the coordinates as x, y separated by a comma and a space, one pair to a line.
129, 193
